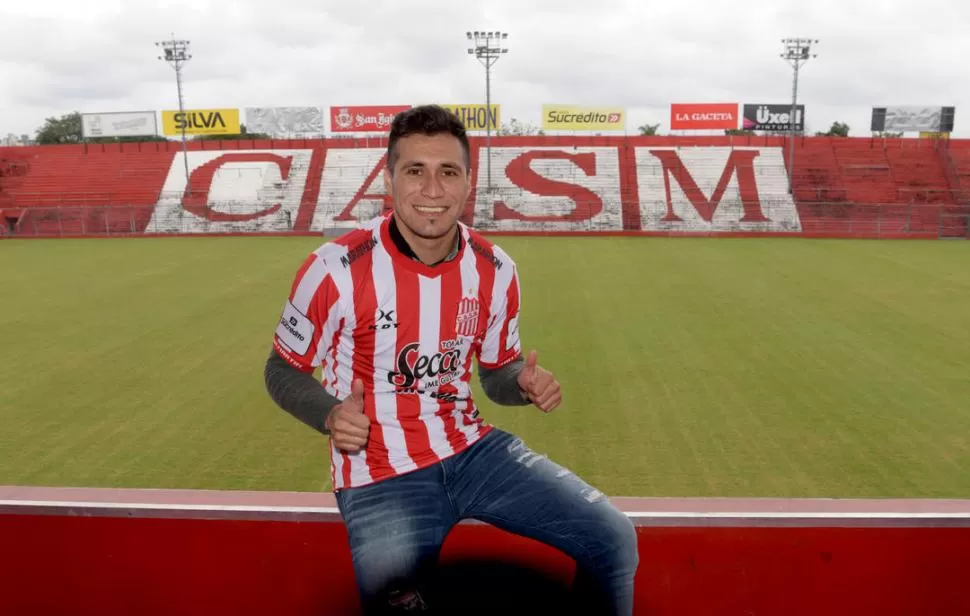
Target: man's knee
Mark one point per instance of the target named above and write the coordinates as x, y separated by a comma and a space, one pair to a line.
392, 572
628, 550
615, 542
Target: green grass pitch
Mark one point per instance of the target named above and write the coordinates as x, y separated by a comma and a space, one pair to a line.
698, 367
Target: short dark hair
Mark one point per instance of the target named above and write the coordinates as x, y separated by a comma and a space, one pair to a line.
426, 120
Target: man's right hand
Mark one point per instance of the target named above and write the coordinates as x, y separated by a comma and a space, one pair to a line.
349, 426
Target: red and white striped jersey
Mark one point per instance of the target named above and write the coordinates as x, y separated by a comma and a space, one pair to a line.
359, 308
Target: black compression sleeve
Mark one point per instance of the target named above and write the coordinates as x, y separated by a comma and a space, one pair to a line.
298, 393
501, 385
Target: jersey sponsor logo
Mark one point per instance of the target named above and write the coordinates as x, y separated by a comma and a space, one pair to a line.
384, 320
444, 396
466, 323
358, 251
488, 254
285, 354
413, 368
294, 329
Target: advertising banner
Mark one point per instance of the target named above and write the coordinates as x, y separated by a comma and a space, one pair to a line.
119, 124
201, 122
773, 118
282, 121
913, 119
572, 117
363, 118
477, 117
703, 116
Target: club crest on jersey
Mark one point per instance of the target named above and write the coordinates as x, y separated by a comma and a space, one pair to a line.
466, 323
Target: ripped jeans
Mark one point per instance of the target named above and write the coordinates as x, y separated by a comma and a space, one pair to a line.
396, 527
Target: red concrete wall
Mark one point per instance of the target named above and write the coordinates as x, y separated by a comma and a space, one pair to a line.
831, 559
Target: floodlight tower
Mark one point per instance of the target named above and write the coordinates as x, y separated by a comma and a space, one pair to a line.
487, 48
176, 53
797, 52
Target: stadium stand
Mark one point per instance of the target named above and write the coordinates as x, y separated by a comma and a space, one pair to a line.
956, 162
956, 165
13, 172
235, 192
89, 190
844, 187
819, 179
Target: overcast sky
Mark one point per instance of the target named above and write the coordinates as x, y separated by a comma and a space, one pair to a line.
57, 56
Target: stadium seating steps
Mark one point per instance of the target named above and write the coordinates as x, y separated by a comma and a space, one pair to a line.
874, 186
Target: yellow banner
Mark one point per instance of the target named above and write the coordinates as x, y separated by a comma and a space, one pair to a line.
933, 135
477, 117
572, 117
201, 122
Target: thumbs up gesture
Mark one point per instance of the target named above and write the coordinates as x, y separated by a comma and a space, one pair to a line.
348, 425
538, 384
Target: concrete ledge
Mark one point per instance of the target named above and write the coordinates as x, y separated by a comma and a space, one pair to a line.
321, 506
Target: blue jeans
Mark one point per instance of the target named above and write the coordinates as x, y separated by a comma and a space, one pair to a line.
396, 527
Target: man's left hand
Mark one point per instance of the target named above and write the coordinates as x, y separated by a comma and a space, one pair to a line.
538, 384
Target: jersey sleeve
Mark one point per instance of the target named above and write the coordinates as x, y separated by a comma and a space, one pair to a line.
501, 345
310, 315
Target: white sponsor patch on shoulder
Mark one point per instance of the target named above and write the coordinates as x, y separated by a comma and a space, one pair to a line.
295, 330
